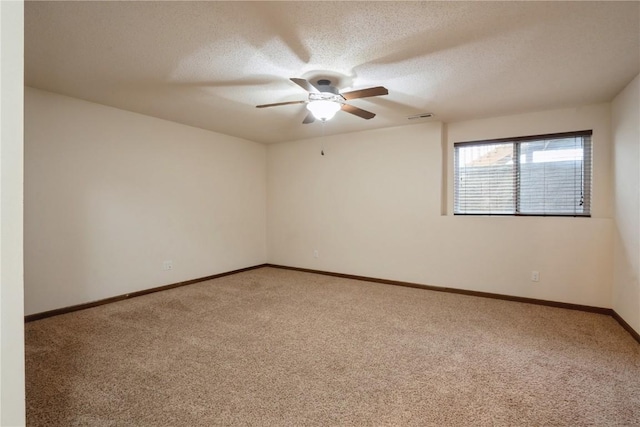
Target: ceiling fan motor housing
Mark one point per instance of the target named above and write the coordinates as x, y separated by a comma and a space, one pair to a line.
324, 86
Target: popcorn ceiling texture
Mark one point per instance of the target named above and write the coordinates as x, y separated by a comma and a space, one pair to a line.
281, 348
208, 64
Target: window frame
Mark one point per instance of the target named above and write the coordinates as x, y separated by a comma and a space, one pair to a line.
587, 180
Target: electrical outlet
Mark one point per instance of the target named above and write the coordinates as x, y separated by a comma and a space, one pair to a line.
316, 254
167, 265
535, 276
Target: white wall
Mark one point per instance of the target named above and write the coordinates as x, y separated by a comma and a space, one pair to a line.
625, 113
110, 195
373, 207
366, 205
12, 405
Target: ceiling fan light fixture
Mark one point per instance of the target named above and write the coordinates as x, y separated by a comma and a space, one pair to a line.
323, 109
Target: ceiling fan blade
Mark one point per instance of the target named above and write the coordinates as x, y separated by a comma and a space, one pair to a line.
358, 111
309, 119
364, 93
305, 85
281, 103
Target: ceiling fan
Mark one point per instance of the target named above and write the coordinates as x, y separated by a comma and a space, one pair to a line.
325, 100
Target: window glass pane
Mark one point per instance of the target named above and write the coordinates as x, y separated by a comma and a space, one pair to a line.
485, 179
552, 176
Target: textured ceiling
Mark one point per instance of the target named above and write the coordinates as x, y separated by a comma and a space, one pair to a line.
208, 64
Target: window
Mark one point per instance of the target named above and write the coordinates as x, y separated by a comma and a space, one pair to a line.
533, 175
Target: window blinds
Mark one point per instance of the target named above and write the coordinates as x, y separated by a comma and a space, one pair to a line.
536, 175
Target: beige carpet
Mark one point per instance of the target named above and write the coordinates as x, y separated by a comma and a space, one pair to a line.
272, 347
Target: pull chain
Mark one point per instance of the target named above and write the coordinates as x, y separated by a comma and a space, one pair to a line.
322, 138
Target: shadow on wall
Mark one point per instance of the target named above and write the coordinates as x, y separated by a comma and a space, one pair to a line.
626, 286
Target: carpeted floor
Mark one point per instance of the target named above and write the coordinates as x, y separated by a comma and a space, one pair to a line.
272, 347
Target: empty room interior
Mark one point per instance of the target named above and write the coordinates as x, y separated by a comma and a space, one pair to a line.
320, 213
